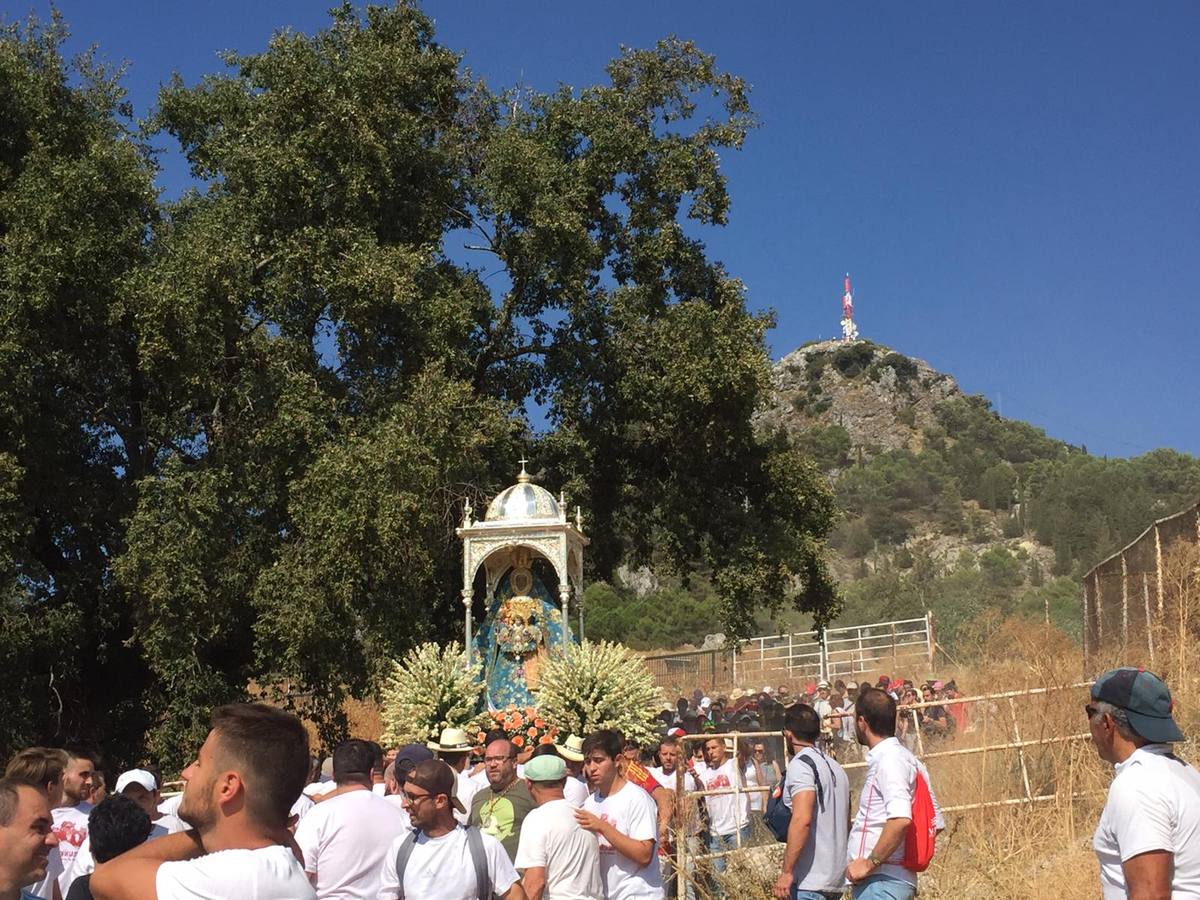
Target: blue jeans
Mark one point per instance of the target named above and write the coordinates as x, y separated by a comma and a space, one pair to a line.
883, 887
798, 894
720, 842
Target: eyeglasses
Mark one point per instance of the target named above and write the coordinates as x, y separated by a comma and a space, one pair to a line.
759, 751
412, 799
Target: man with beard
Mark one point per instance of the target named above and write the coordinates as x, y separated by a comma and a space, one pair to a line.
875, 850
25, 837
441, 858
239, 792
71, 818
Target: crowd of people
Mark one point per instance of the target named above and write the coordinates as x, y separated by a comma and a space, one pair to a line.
592, 816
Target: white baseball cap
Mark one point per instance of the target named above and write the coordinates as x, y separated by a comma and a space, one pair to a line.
139, 777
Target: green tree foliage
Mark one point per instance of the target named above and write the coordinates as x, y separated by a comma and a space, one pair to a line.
235, 429
666, 617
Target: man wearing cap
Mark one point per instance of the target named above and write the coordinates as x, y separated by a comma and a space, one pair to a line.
453, 748
141, 787
437, 860
1148, 839
345, 837
824, 709
557, 859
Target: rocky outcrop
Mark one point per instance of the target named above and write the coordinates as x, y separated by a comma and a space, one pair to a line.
885, 400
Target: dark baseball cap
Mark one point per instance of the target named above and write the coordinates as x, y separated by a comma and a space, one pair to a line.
1145, 699
436, 777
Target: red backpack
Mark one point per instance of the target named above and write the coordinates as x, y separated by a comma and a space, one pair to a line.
921, 834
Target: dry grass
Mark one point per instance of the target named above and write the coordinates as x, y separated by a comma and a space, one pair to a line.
1040, 849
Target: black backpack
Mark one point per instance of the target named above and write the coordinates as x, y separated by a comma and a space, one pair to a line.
483, 878
778, 816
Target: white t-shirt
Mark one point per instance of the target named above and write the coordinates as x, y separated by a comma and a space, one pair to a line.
1153, 804
633, 812
823, 708
575, 792
552, 838
847, 722
317, 789
300, 808
442, 868
170, 806
270, 873
344, 840
726, 815
465, 790
888, 794
757, 800
71, 828
690, 783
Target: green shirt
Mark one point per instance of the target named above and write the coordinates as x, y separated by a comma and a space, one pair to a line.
500, 813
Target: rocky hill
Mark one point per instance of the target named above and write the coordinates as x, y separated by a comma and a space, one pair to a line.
884, 399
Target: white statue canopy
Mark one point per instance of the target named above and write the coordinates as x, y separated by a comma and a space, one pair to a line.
522, 522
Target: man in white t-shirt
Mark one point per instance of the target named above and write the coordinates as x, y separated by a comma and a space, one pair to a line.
140, 786
453, 747
669, 755
1148, 839
345, 837
818, 794
43, 768
875, 848
25, 837
625, 819
237, 797
728, 814
436, 859
71, 819
557, 859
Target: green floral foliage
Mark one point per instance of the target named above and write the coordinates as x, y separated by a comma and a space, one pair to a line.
430, 689
599, 685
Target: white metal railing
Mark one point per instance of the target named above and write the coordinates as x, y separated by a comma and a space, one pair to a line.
840, 651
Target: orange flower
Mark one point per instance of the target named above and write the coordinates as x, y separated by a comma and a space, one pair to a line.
546, 739
539, 723
481, 737
532, 732
517, 721
518, 741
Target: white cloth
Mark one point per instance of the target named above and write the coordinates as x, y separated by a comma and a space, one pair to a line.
300, 808
823, 708
397, 800
465, 790
690, 783
887, 793
847, 725
727, 813
632, 812
170, 806
270, 873
344, 840
1153, 804
757, 801
442, 868
575, 792
317, 789
551, 838
71, 828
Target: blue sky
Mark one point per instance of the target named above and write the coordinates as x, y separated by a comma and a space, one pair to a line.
1013, 186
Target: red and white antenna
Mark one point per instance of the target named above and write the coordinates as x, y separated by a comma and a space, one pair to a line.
849, 329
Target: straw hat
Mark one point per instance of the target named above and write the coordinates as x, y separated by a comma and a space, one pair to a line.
571, 748
453, 740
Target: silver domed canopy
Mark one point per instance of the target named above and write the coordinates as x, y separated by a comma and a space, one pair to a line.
524, 502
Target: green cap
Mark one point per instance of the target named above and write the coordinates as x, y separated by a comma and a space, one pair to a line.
545, 768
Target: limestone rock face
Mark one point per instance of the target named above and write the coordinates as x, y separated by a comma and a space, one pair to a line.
883, 399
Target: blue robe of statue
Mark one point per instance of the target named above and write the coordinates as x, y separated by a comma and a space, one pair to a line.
504, 647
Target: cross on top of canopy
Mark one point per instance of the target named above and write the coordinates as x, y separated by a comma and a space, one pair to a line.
524, 502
